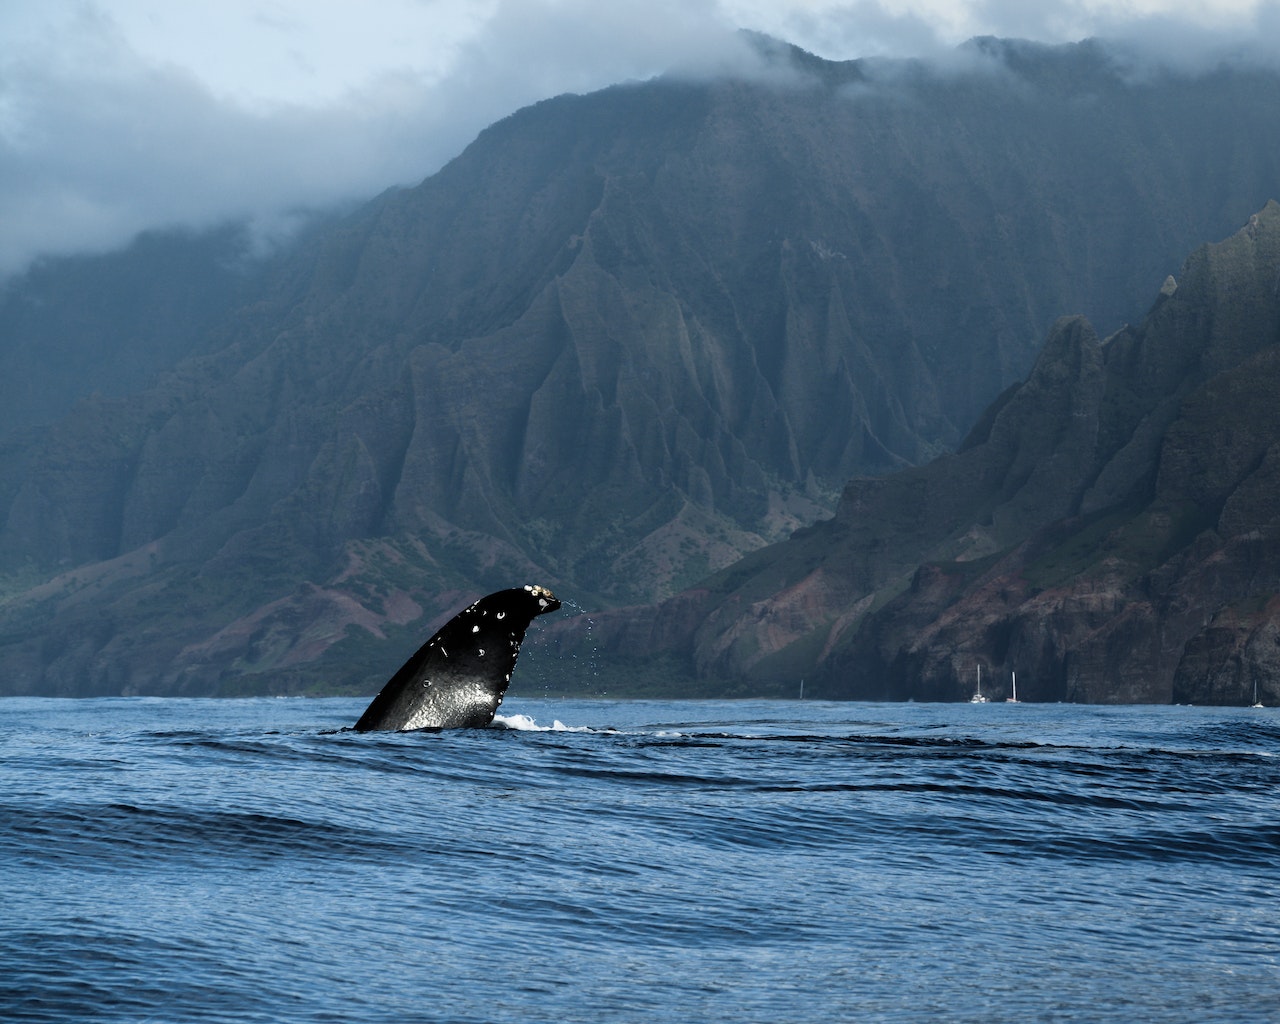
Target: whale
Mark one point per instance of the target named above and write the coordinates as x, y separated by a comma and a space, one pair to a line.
457, 679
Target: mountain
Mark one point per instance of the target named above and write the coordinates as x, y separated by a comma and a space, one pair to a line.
619, 342
1110, 531
107, 324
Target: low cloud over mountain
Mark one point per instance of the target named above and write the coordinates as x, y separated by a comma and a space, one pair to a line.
115, 120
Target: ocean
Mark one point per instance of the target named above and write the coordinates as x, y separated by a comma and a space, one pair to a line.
658, 861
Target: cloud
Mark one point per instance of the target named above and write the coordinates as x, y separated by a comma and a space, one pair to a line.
95, 149
1193, 46
1178, 29
856, 28
99, 141
124, 115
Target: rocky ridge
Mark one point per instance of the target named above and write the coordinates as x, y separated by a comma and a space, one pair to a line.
1110, 531
621, 341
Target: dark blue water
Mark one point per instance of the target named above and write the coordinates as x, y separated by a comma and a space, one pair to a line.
180, 860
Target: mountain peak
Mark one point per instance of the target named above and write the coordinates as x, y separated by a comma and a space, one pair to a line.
780, 55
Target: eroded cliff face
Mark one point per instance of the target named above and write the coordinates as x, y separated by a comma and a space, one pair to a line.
1110, 531
619, 343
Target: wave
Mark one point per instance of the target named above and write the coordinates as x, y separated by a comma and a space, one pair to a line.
108, 836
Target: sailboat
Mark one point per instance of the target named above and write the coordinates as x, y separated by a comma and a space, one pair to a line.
1256, 703
1014, 698
977, 697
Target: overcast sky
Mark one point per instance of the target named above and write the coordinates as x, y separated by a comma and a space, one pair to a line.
122, 115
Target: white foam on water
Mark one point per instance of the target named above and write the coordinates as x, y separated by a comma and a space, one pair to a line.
523, 723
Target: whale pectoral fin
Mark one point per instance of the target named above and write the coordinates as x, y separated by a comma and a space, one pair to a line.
391, 707
457, 678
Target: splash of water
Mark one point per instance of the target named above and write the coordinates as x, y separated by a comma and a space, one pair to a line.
525, 723
572, 660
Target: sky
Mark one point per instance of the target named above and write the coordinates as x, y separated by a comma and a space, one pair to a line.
118, 116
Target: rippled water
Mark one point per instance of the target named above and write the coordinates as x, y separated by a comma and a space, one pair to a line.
182, 860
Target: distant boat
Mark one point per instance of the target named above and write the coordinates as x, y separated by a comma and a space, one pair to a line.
977, 697
1014, 698
1256, 703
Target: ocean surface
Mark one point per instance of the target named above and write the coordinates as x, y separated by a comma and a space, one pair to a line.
657, 861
